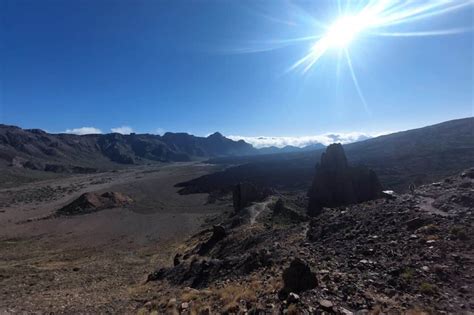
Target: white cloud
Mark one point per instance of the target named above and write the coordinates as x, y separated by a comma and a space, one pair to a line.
326, 139
83, 131
125, 130
158, 131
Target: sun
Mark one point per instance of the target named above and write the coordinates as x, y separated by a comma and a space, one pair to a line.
379, 18
344, 30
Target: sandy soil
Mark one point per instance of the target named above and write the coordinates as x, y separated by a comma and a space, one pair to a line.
93, 263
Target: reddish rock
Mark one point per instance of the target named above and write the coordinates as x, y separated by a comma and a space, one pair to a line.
91, 202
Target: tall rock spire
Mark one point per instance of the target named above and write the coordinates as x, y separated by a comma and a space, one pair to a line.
336, 183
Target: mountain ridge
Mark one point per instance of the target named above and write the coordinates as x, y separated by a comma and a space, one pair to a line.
413, 156
39, 150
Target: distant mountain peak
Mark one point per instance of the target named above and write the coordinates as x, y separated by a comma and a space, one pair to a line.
216, 135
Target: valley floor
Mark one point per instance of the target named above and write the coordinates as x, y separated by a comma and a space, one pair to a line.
92, 263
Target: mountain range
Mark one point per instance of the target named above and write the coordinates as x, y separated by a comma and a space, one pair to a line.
420, 154
38, 150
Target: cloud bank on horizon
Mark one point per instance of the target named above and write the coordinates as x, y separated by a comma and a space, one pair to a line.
302, 141
259, 141
125, 130
83, 131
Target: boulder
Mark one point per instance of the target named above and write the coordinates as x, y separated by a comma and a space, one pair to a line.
298, 277
469, 173
336, 183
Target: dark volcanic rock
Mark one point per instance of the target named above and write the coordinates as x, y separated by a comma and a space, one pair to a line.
415, 223
280, 210
91, 202
218, 233
414, 251
198, 272
246, 193
469, 173
336, 183
298, 277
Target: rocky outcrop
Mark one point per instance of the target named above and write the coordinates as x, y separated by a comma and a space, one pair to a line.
246, 193
336, 183
469, 173
92, 202
218, 233
414, 251
298, 277
198, 272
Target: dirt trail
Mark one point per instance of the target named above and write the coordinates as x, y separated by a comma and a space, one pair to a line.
257, 208
426, 204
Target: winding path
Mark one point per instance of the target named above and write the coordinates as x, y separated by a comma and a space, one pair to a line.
257, 208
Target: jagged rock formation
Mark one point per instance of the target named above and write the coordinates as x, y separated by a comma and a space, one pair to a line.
336, 183
92, 202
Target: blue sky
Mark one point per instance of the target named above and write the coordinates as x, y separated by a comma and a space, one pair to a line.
205, 66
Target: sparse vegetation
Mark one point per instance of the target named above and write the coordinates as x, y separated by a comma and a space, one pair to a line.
407, 274
232, 294
428, 288
459, 233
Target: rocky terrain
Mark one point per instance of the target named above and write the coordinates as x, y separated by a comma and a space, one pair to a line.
405, 253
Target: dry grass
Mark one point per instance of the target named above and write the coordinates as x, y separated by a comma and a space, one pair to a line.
233, 293
417, 311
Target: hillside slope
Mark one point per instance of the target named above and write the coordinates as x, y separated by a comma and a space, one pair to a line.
408, 254
37, 150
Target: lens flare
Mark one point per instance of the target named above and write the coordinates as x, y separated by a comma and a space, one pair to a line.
344, 30
372, 18
355, 19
